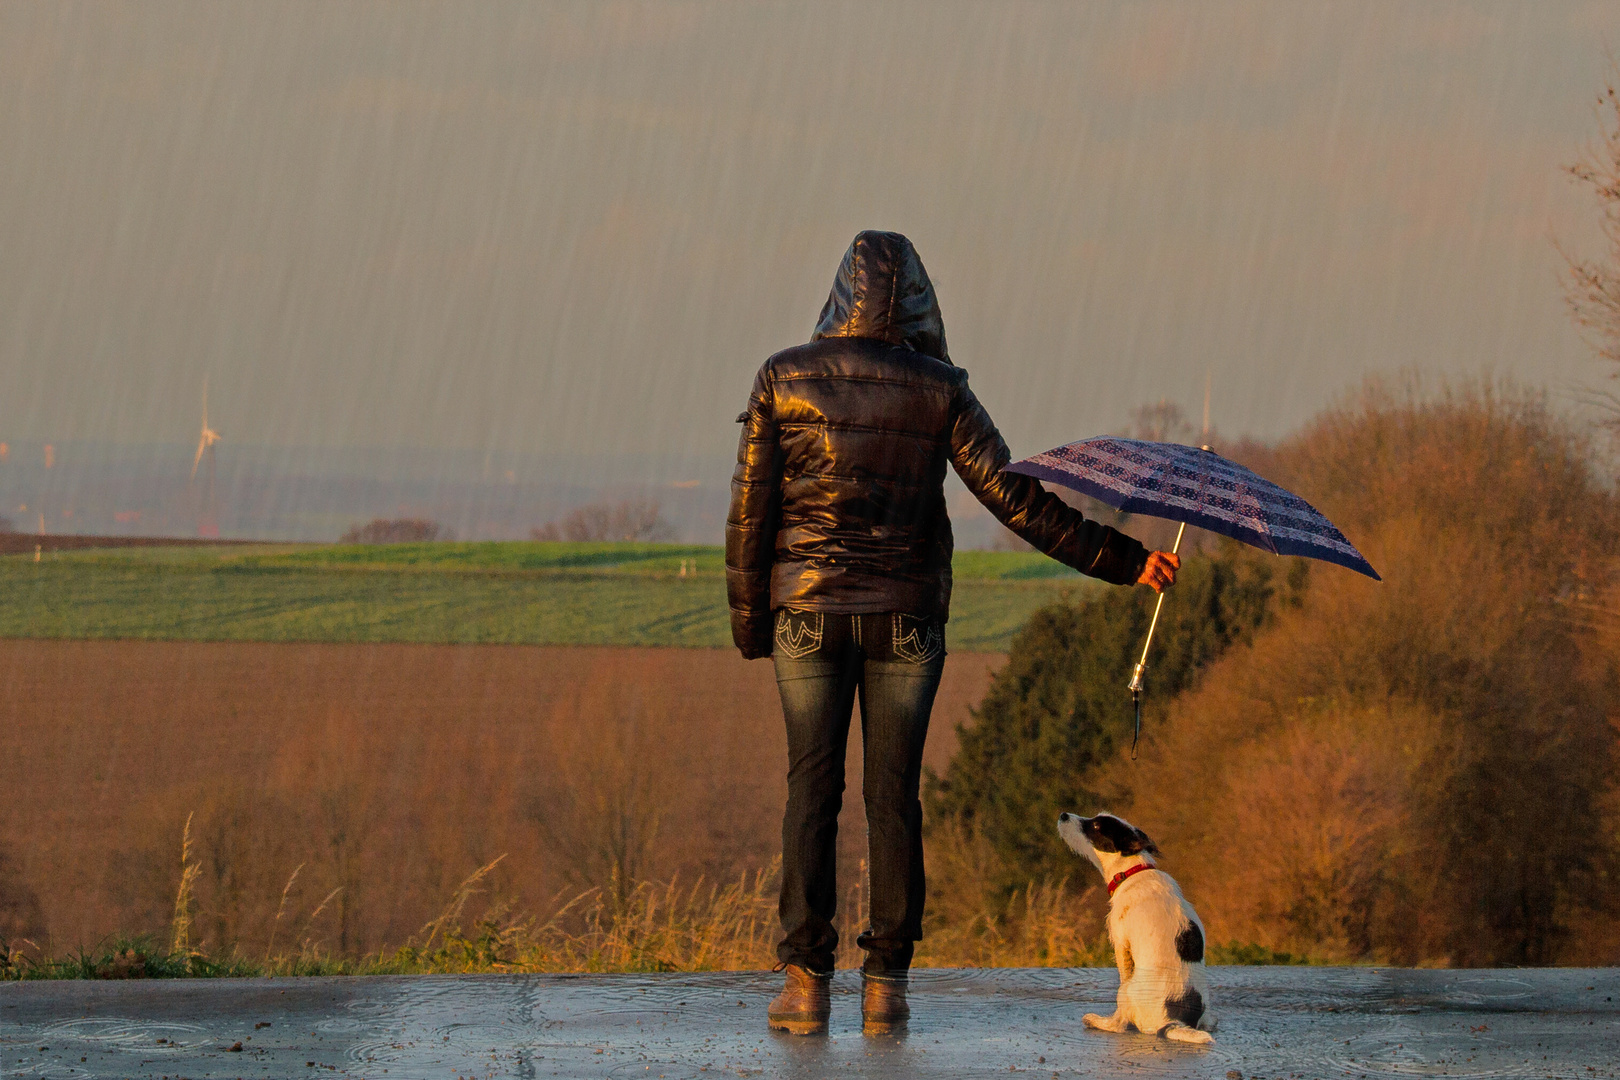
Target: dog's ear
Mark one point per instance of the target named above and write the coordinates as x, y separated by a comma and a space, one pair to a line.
1138, 843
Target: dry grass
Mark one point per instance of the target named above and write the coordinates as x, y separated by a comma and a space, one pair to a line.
641, 926
384, 776
634, 926
970, 924
185, 895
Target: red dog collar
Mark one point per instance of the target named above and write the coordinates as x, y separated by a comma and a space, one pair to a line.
1119, 878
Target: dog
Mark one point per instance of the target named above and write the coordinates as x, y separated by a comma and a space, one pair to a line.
1158, 937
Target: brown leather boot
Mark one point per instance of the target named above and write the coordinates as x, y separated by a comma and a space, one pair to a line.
883, 1004
804, 1004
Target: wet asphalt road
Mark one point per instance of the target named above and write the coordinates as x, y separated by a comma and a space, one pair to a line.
1274, 1022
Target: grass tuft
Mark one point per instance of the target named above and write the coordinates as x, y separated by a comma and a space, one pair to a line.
180, 943
121, 958
1249, 954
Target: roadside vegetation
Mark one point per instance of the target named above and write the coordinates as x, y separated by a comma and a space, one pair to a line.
1416, 771
618, 927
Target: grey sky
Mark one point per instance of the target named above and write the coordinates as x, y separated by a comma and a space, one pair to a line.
547, 228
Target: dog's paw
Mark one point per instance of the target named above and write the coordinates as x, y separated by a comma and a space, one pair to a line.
1183, 1033
1104, 1023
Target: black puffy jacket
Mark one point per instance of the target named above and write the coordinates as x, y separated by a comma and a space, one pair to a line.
838, 501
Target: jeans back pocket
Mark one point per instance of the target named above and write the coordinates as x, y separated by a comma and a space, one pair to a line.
798, 633
916, 640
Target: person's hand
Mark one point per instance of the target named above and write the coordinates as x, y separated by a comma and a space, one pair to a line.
1160, 571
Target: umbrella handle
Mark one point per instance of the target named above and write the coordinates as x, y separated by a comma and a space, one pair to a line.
1141, 665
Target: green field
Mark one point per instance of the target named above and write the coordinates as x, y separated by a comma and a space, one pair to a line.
493, 593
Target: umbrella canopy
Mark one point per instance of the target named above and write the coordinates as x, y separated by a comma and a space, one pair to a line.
1198, 487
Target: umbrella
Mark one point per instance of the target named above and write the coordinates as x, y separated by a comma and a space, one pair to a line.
1195, 486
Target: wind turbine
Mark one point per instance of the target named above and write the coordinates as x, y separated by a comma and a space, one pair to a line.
208, 519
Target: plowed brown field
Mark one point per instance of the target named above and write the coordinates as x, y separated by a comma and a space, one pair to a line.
389, 773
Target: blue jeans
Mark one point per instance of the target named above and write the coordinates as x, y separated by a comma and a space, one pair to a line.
892, 662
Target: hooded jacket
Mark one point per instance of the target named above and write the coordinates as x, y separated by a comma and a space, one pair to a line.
838, 499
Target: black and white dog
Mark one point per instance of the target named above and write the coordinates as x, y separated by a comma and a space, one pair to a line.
1158, 938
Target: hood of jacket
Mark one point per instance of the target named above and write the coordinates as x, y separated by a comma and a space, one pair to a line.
883, 292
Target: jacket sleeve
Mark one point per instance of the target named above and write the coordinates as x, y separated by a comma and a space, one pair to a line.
1038, 517
752, 523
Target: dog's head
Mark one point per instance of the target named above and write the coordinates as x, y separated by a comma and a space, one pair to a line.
1107, 841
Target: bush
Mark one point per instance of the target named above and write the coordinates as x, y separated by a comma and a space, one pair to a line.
1059, 708
396, 531
633, 519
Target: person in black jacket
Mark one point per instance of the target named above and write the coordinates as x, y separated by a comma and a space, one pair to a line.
838, 566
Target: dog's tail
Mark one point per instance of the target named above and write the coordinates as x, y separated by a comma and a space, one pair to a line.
1180, 1032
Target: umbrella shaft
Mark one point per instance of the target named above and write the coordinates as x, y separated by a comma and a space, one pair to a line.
1141, 665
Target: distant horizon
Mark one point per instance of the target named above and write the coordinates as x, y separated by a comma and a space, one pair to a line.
311, 494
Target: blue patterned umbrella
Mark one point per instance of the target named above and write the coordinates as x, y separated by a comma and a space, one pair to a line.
1195, 486
1198, 487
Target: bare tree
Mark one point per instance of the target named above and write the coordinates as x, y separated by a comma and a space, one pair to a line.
1163, 421
21, 917
396, 531
1592, 286
1007, 540
7, 525
601, 806
633, 519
